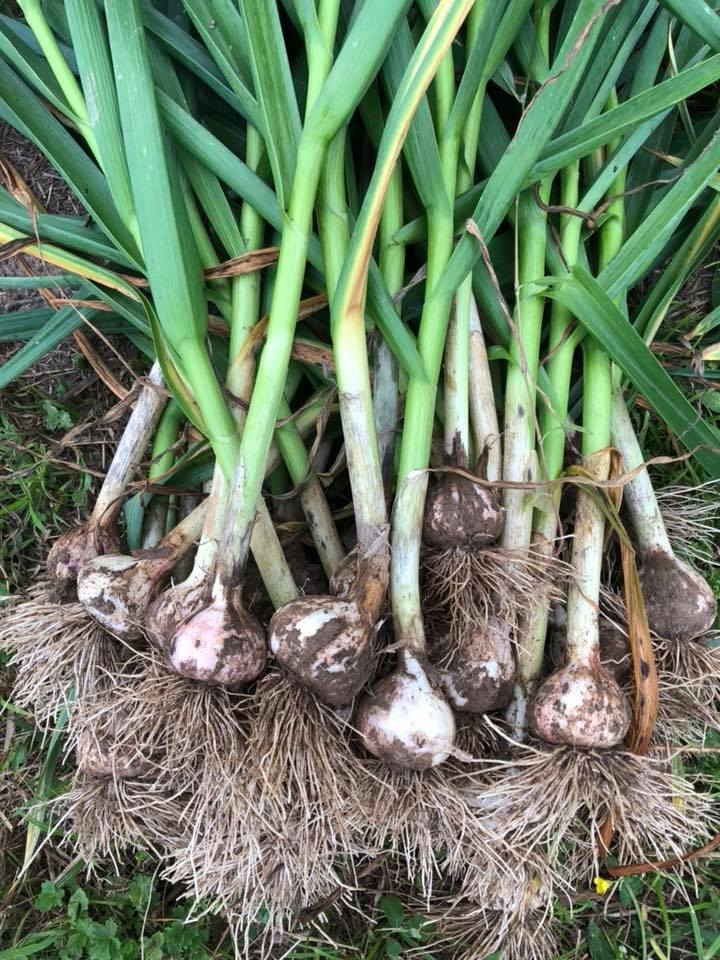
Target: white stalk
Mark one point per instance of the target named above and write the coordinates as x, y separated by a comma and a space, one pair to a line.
136, 436
405, 581
456, 386
483, 412
583, 611
638, 494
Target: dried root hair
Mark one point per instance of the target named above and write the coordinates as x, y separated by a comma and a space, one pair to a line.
468, 931
504, 905
692, 520
688, 681
424, 820
283, 848
462, 590
189, 733
558, 798
103, 816
689, 686
61, 656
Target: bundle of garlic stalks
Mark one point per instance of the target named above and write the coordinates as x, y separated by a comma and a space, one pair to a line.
397, 269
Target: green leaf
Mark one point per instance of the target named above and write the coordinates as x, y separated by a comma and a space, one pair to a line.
239, 177
392, 907
274, 90
172, 264
646, 244
598, 945
140, 891
93, 60
592, 306
533, 133
50, 897
54, 418
54, 331
221, 27
22, 110
77, 904
699, 17
393, 947
187, 51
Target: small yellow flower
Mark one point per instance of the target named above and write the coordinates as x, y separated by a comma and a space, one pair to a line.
601, 885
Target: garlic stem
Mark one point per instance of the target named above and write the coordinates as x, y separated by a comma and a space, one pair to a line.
138, 431
638, 494
483, 412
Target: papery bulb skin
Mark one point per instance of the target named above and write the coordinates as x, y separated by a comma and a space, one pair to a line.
580, 706
680, 604
173, 607
461, 513
405, 722
327, 644
222, 643
71, 551
479, 678
117, 590
344, 576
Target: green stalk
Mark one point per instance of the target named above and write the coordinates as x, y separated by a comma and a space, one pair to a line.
460, 171
385, 366
35, 19
163, 458
520, 459
310, 492
583, 618
553, 416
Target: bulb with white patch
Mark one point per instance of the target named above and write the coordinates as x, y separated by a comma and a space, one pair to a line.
117, 589
479, 676
404, 721
220, 643
328, 643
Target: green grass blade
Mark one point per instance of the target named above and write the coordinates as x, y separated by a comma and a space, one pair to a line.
590, 303
699, 17
38, 817
274, 90
22, 110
